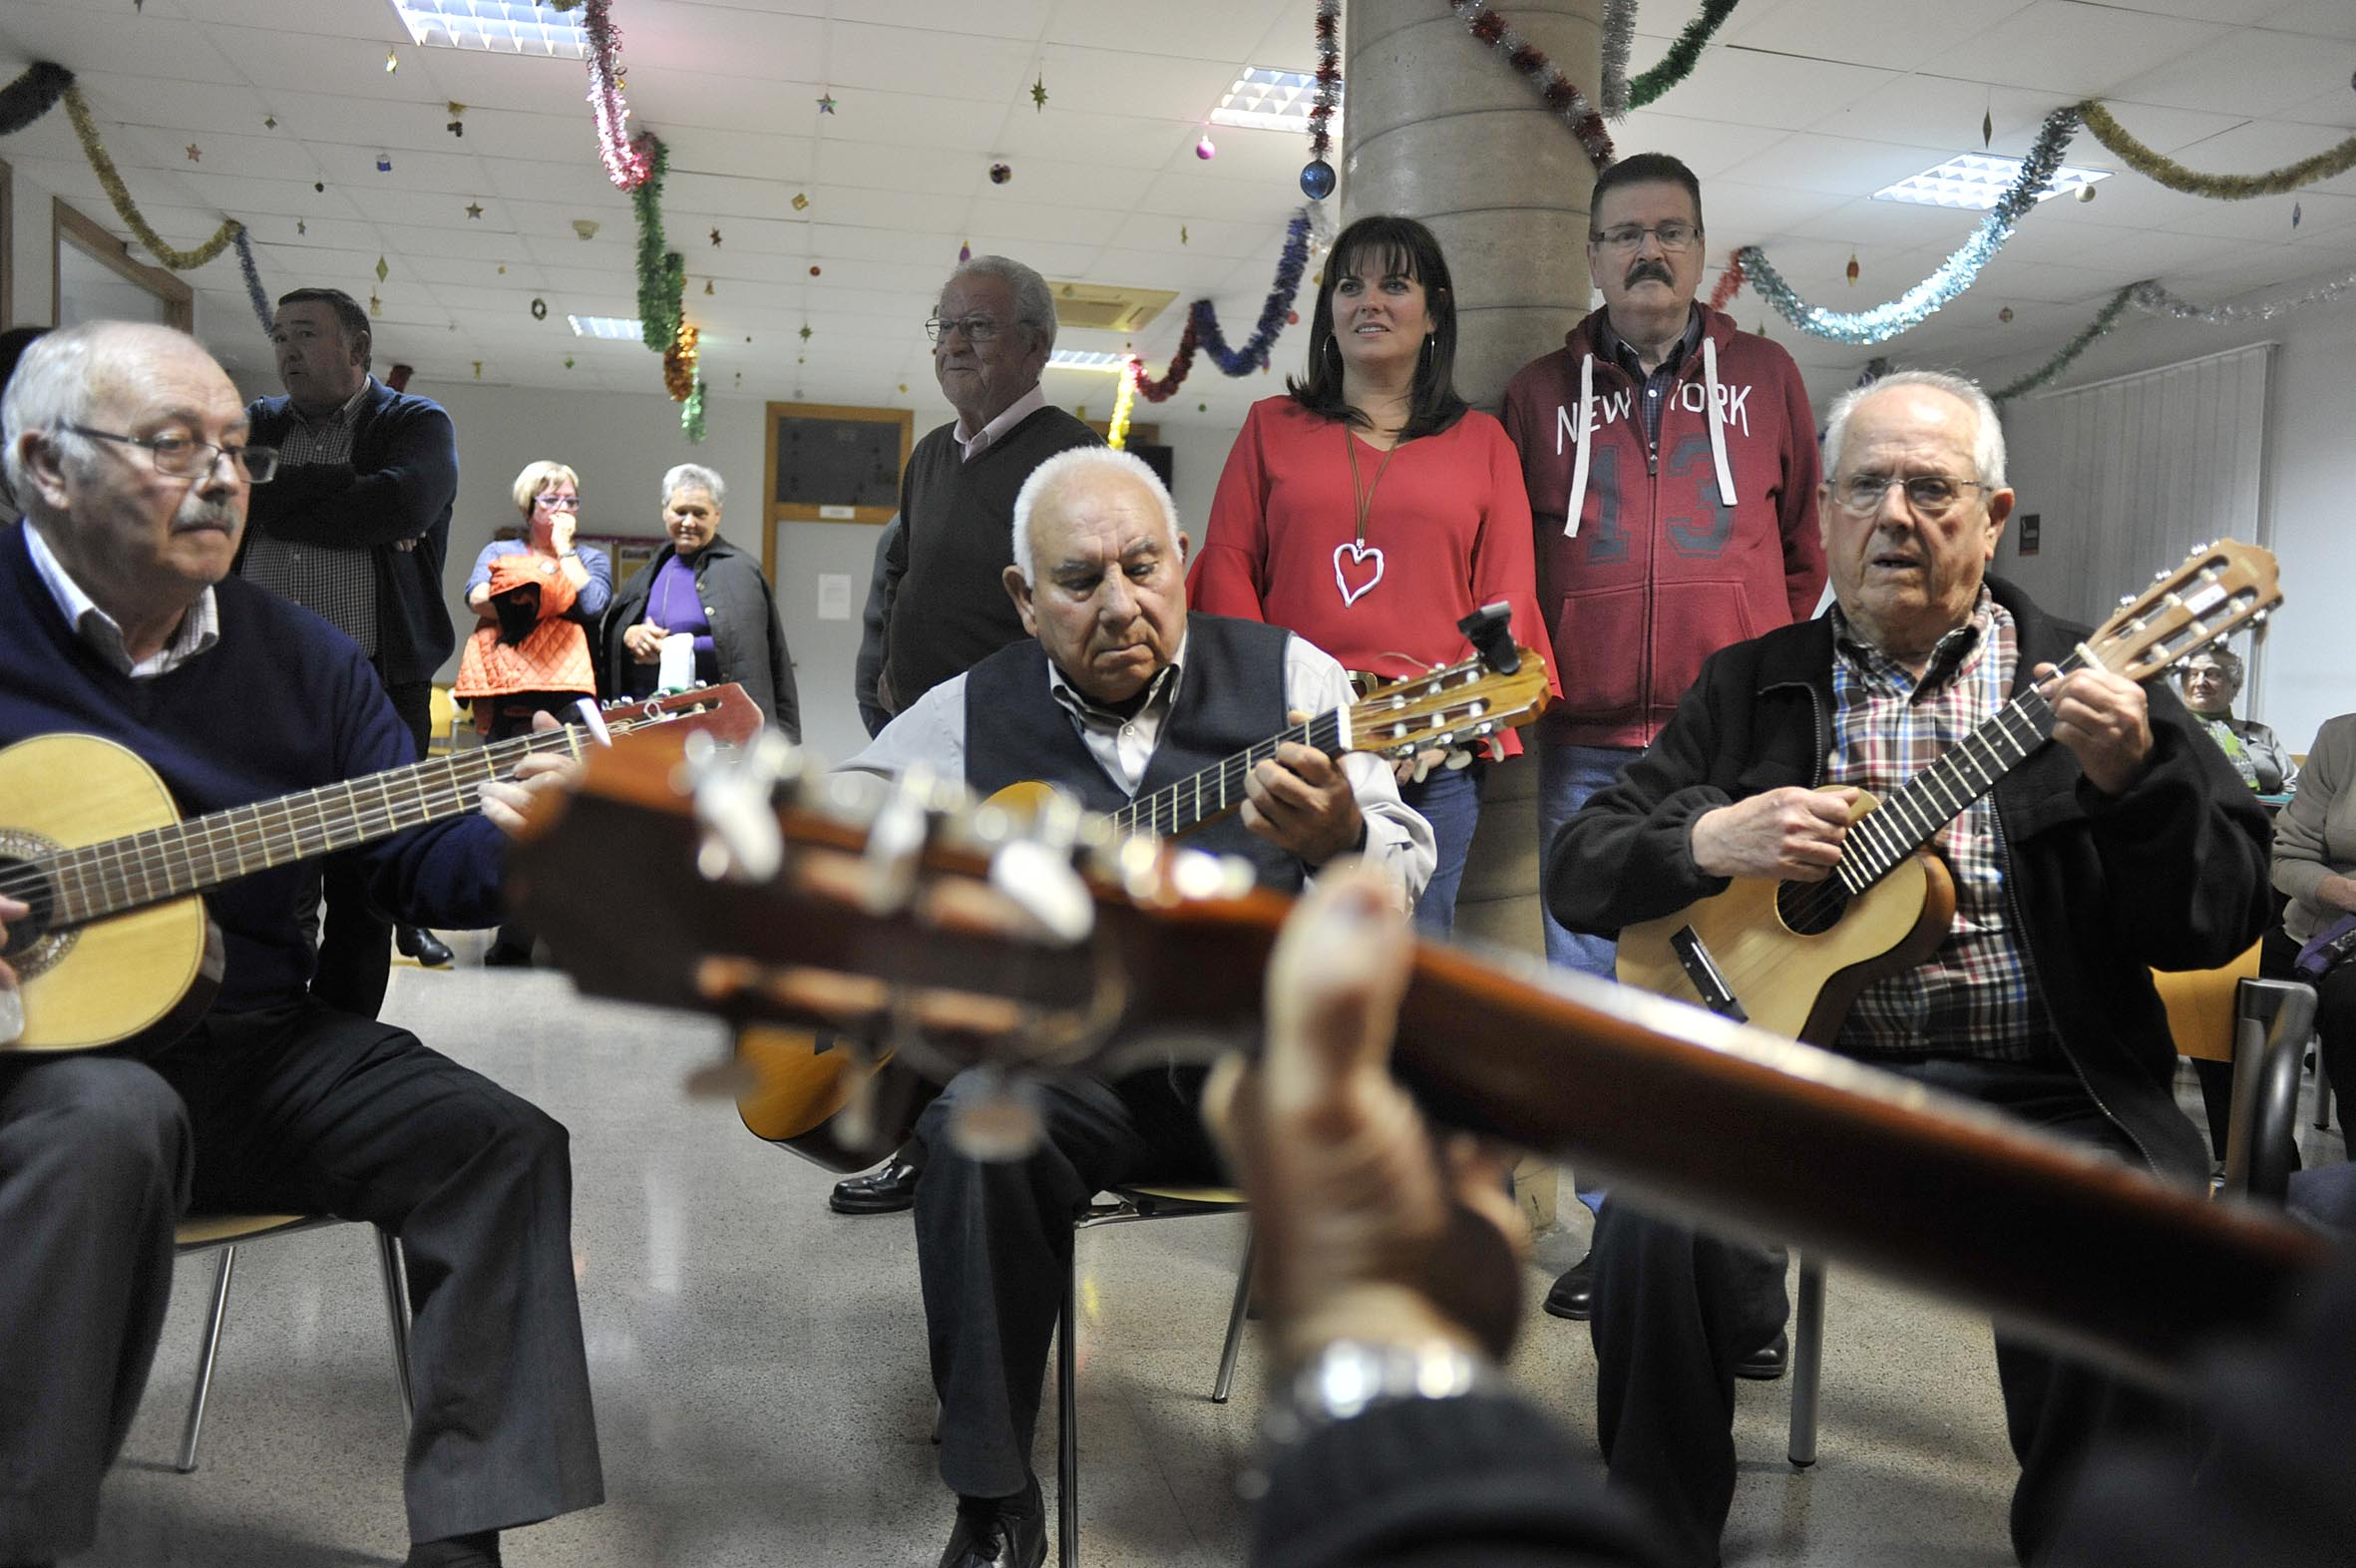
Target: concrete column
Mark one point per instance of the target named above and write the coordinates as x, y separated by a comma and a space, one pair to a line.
1438, 127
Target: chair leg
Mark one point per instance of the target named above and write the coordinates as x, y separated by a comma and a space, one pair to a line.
204, 1358
1235, 1319
2322, 1094
1067, 1416
1808, 1364
396, 1301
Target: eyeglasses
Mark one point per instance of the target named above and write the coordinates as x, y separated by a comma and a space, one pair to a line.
180, 457
1675, 235
557, 503
978, 329
1930, 494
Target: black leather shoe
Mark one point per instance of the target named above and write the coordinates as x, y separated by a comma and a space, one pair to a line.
1573, 1296
477, 1550
415, 941
887, 1189
999, 1532
1768, 1363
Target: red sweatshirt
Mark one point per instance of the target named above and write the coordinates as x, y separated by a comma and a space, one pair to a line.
1447, 531
1664, 565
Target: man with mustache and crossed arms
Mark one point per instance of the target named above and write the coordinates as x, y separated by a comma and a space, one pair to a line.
1671, 460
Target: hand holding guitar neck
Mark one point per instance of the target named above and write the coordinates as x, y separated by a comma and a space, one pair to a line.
506, 801
1300, 801
2105, 719
1790, 833
12, 1001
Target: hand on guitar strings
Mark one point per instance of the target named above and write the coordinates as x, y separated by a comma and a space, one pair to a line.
2105, 719
1790, 834
12, 1006
505, 801
1302, 803
1371, 1228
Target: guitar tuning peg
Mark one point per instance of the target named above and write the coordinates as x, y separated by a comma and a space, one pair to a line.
998, 1121
2160, 576
734, 801
896, 841
1046, 888
2125, 600
2258, 618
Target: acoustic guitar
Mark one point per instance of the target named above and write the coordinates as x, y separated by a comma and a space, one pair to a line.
1790, 956
802, 1080
113, 951
904, 913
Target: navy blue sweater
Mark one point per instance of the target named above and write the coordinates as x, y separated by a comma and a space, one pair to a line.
283, 702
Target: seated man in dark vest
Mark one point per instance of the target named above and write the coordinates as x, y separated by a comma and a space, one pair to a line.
1120, 690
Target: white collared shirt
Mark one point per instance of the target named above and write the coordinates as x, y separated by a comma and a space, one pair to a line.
1017, 412
198, 629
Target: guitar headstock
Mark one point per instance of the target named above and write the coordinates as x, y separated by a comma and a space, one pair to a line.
723, 712
1448, 707
2216, 590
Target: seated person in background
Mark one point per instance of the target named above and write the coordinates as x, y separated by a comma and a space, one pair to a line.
2128, 844
535, 598
1119, 690
1386, 1260
704, 589
128, 445
2211, 680
2315, 868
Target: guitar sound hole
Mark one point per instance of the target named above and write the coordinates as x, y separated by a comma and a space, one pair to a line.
1810, 907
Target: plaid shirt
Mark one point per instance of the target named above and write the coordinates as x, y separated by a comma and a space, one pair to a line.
335, 583
1657, 384
1974, 996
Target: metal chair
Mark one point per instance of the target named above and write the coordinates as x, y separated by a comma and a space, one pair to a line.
2222, 1015
1128, 1206
226, 1233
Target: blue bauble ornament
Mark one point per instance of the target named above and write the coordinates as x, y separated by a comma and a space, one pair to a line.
1317, 180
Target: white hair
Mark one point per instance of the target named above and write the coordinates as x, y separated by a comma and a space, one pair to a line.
54, 387
1034, 301
1072, 464
694, 475
1988, 439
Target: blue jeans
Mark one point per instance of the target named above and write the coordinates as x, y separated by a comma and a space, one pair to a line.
1567, 775
1448, 799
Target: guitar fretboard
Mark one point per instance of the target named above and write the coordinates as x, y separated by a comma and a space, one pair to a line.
120, 874
1174, 808
1904, 822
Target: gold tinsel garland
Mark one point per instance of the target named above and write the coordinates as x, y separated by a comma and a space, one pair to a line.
2217, 187
111, 181
678, 363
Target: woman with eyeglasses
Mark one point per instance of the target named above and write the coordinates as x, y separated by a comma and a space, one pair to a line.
2210, 681
1370, 509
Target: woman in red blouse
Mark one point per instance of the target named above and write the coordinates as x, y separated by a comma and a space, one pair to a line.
1370, 509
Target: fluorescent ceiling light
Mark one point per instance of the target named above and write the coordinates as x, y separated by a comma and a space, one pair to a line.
627, 327
1268, 99
1081, 359
1978, 181
500, 27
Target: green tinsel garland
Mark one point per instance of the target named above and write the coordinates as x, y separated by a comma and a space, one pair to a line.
2106, 318
691, 414
1679, 63
663, 274
2217, 187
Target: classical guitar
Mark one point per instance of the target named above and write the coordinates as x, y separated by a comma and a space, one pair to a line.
1790, 956
115, 948
905, 914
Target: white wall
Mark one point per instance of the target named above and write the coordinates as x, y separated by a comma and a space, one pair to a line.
32, 256
2302, 672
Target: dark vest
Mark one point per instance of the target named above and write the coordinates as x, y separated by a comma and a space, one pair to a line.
1231, 696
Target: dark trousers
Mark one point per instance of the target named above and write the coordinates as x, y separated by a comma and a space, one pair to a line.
1675, 1308
993, 1245
356, 961
294, 1109
508, 717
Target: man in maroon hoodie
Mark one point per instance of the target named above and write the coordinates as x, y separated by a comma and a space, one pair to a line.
1672, 466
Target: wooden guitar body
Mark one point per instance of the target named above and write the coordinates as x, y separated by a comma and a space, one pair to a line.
1790, 983
131, 978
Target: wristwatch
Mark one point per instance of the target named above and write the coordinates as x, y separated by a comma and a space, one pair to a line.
1351, 1376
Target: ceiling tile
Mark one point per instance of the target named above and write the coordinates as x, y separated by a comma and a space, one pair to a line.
1905, 35
2247, 69
2062, 46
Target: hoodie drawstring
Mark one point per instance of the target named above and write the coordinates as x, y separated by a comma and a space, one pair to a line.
1570, 525
1725, 474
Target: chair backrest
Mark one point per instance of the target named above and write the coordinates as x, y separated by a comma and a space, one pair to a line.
2199, 1005
445, 714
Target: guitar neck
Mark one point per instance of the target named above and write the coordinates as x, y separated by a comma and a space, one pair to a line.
116, 875
1218, 788
1909, 817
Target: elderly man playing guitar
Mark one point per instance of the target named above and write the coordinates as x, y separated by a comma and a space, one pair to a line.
126, 445
2128, 844
1120, 692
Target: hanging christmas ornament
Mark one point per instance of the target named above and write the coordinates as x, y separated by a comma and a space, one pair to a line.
1201, 408
1182, 234
1988, 127
1000, 174
801, 202
1292, 318
392, 61
2295, 214
270, 121
707, 285
740, 379
503, 270
194, 157
805, 333
301, 228
813, 269
1204, 150
1852, 268
457, 125
715, 233
2085, 193
965, 253
384, 162
1038, 94
474, 210
382, 271
539, 308
478, 370
825, 104
375, 305
903, 389
1317, 180
567, 361
2005, 316
319, 185
585, 227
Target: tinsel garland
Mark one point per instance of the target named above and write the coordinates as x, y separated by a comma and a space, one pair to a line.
32, 95
1254, 353
627, 163
1329, 78
1954, 275
1124, 403
2158, 302
2217, 187
111, 181
1730, 283
662, 273
1683, 55
691, 414
1618, 37
679, 364
2104, 320
254, 290
1181, 364
1567, 102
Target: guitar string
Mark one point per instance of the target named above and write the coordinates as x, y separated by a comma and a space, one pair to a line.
1234, 770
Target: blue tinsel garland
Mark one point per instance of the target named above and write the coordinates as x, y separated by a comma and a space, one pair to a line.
1254, 354
254, 290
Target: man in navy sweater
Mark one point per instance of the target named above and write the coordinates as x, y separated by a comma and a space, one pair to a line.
127, 446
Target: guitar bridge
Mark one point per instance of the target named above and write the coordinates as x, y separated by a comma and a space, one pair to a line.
1694, 957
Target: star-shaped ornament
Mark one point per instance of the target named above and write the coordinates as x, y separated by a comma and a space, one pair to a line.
270, 121
194, 157
474, 209
1039, 93
826, 105
715, 234
301, 228
801, 202
805, 331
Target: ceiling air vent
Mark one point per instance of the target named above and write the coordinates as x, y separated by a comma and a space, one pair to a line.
1102, 307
